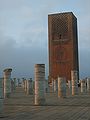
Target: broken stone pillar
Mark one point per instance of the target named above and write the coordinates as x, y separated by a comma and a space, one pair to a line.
23, 83
46, 86
74, 78
39, 84
12, 85
52, 85
83, 86
25, 88
33, 82
61, 87
88, 84
1, 88
69, 88
14, 80
55, 85
69, 84
7, 82
29, 87
1, 96
18, 82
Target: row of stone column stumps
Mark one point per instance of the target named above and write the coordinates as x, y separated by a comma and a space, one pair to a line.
85, 85
39, 86
27, 86
72, 85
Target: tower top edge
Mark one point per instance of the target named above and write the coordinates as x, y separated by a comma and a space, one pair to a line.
67, 13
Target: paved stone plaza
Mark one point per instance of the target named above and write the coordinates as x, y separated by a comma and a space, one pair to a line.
21, 107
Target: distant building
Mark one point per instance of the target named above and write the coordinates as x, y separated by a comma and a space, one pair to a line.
63, 45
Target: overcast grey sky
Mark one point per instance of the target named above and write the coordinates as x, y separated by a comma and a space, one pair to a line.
24, 33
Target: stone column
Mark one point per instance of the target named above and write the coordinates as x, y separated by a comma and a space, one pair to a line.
74, 78
33, 86
39, 84
69, 88
23, 83
25, 88
12, 85
14, 80
52, 85
88, 84
46, 86
18, 82
29, 87
1, 96
55, 85
7, 82
69, 84
83, 86
61, 87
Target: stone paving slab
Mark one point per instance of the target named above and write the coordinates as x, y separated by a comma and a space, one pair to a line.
21, 107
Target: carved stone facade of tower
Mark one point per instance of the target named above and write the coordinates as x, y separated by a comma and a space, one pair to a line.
63, 45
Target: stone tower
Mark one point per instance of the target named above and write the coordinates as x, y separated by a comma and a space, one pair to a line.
63, 45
